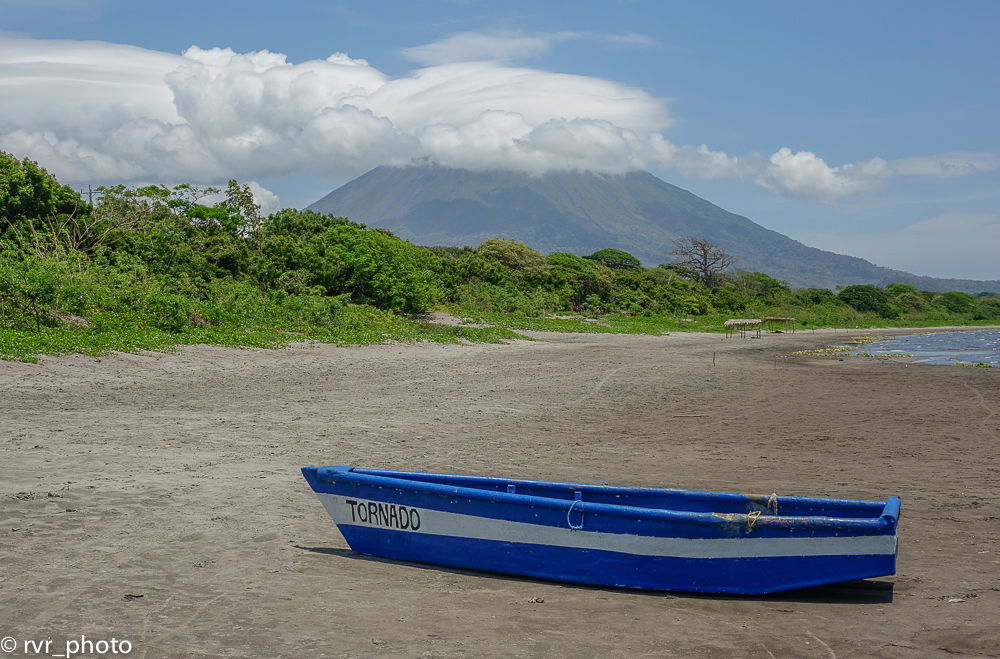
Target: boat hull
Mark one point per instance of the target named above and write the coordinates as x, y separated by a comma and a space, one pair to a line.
583, 542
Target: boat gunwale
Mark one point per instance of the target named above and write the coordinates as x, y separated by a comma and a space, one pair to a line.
884, 524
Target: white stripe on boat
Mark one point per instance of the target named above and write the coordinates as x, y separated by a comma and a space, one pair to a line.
398, 517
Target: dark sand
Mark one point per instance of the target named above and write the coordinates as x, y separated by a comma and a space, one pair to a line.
157, 498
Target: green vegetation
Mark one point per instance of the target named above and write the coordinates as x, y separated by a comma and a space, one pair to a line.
149, 268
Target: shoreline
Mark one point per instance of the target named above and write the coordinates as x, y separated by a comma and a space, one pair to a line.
449, 320
157, 498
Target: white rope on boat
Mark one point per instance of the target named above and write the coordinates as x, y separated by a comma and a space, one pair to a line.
568, 521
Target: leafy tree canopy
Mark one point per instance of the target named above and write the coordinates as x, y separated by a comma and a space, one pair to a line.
514, 255
864, 297
956, 301
896, 289
28, 191
759, 284
615, 259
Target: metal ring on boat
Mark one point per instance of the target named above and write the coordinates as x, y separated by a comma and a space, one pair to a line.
575, 528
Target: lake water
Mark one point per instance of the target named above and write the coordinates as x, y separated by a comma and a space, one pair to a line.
972, 347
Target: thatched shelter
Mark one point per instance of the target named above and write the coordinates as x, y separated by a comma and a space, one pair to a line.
742, 325
779, 323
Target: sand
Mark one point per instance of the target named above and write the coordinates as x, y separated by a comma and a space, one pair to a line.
156, 498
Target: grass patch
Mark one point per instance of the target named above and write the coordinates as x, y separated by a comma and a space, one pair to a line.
603, 324
354, 325
832, 351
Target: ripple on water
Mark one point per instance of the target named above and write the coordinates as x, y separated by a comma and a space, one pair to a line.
966, 347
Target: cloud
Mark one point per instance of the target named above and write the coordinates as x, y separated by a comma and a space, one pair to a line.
479, 46
804, 174
97, 112
633, 39
962, 245
947, 165
509, 46
267, 200
702, 162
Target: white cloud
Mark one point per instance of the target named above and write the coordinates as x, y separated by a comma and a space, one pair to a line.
962, 245
479, 46
509, 46
267, 200
702, 162
95, 112
804, 174
947, 165
633, 39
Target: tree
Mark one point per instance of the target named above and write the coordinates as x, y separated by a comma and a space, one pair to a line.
36, 211
868, 298
896, 290
615, 259
581, 277
526, 262
703, 257
760, 285
29, 192
380, 269
956, 301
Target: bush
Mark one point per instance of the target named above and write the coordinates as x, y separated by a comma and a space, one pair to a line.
816, 296
988, 309
379, 269
528, 263
911, 300
579, 278
956, 302
728, 298
896, 290
760, 285
866, 298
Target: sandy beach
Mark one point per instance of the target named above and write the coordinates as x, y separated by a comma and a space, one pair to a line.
157, 498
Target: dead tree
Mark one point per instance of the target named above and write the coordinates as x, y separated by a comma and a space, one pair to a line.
703, 257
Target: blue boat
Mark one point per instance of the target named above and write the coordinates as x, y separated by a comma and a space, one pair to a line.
633, 537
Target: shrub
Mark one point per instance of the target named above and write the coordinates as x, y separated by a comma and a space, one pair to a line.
516, 256
816, 296
581, 278
729, 298
896, 290
911, 300
866, 298
956, 302
382, 270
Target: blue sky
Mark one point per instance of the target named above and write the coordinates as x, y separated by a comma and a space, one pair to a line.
867, 128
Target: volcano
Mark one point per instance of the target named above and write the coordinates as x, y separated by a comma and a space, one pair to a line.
582, 212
